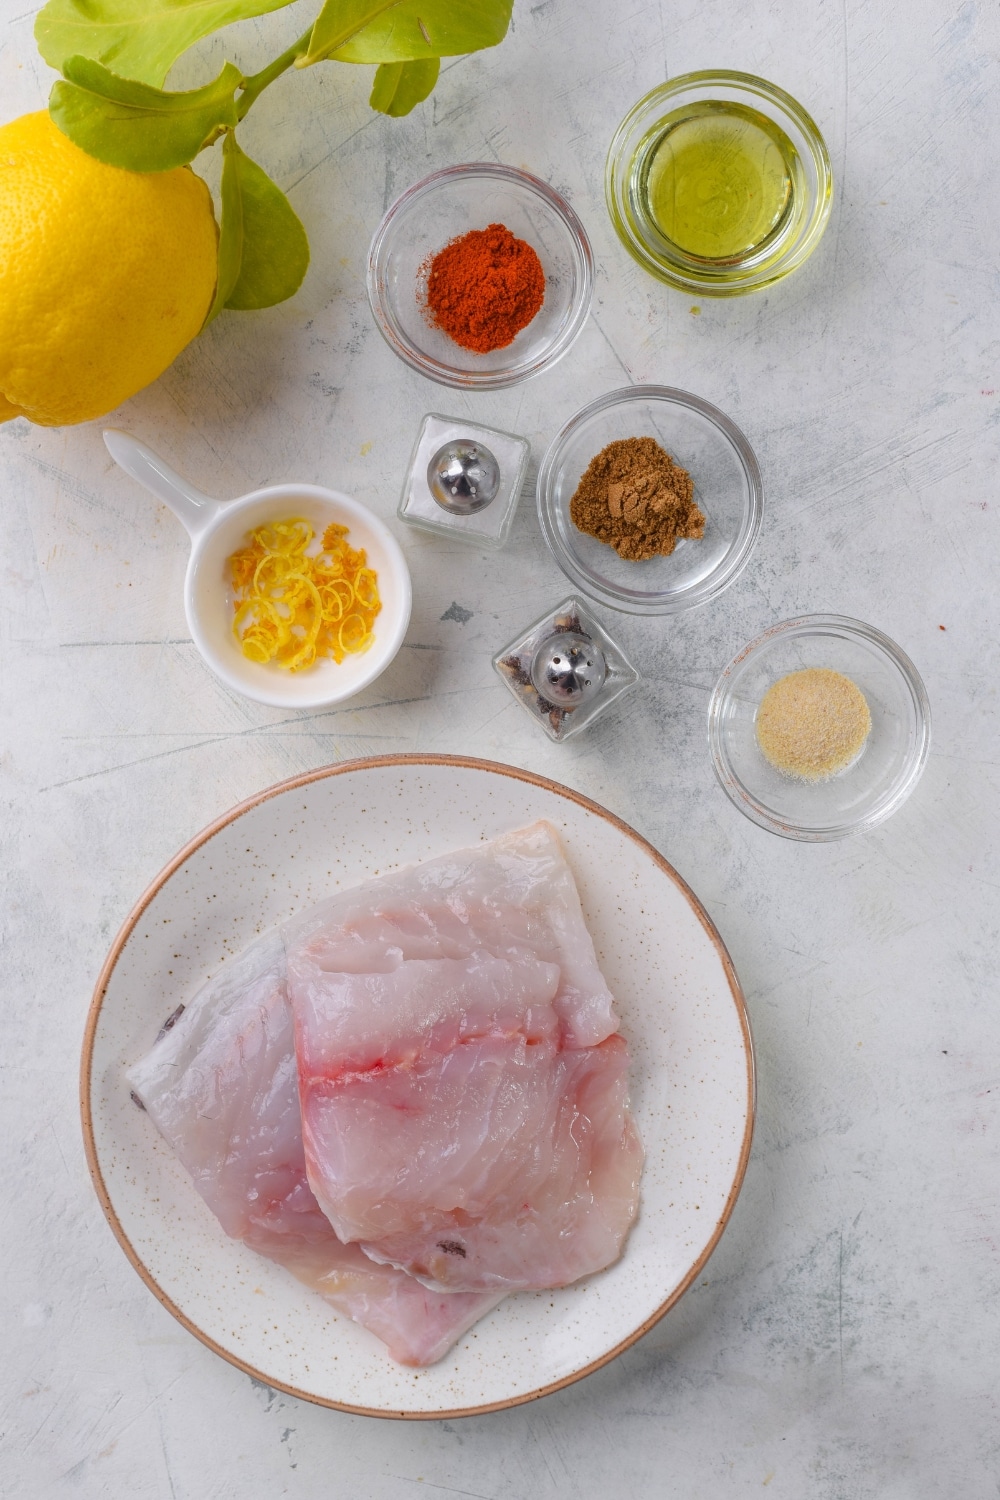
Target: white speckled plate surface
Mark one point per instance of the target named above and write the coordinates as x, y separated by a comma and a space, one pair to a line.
682, 1012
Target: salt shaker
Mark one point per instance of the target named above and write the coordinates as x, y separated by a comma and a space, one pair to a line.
464, 480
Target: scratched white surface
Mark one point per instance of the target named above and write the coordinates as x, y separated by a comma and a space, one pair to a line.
843, 1342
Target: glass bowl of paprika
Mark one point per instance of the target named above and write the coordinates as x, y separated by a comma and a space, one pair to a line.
480, 276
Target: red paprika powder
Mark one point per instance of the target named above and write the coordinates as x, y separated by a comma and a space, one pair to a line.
484, 287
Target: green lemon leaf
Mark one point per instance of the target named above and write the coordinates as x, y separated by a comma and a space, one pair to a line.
398, 87
263, 250
387, 31
230, 231
137, 38
129, 124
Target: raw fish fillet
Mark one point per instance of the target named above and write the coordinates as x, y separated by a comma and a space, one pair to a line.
221, 1086
464, 1095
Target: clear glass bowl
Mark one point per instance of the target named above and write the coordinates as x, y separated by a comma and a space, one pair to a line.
727, 487
806, 161
439, 209
870, 789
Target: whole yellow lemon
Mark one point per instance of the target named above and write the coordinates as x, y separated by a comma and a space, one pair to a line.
105, 275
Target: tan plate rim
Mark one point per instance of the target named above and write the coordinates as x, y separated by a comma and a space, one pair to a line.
367, 763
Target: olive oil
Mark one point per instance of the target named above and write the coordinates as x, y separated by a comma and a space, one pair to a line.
717, 180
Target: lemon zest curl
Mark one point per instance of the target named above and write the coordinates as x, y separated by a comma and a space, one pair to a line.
292, 606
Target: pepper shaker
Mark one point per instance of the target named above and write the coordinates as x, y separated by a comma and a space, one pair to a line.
565, 669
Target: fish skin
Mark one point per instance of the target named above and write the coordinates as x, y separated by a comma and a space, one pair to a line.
222, 1089
463, 1090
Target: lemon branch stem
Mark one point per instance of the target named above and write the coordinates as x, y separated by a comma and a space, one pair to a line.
257, 82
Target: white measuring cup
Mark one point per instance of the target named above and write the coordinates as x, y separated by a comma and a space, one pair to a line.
217, 528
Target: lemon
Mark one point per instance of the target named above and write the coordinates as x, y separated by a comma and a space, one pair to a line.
105, 275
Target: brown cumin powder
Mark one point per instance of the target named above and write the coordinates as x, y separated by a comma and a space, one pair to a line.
813, 723
634, 497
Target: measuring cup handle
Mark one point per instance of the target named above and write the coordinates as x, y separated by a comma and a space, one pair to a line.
193, 509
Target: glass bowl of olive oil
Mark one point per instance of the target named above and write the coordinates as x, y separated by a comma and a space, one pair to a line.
719, 183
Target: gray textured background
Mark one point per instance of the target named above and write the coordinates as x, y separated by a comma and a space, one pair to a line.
843, 1342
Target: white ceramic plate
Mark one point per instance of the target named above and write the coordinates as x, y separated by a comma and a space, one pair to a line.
682, 1012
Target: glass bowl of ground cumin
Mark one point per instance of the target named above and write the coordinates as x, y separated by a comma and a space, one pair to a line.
495, 256
819, 728
688, 466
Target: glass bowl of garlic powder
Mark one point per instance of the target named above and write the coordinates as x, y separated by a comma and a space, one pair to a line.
819, 728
